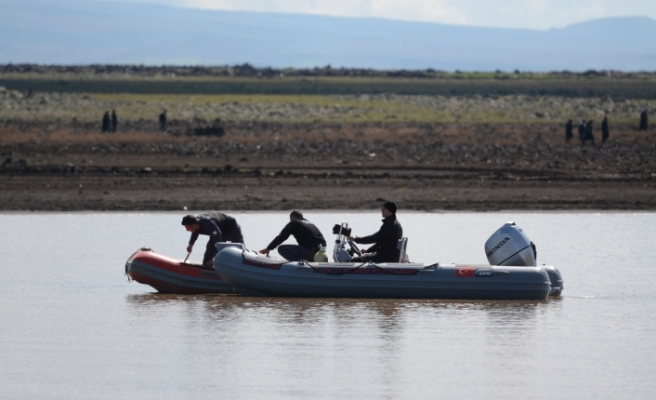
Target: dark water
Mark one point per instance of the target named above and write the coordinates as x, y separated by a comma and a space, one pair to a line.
73, 327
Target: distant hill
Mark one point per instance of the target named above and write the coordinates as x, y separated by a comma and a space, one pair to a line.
43, 31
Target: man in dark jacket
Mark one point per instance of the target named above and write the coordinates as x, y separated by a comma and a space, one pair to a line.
582, 132
162, 121
644, 119
605, 131
569, 128
588, 131
105, 122
307, 235
218, 226
385, 240
114, 121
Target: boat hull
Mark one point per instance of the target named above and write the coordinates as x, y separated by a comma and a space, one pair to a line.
171, 275
253, 274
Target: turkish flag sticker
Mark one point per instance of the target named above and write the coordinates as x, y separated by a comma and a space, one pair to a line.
465, 272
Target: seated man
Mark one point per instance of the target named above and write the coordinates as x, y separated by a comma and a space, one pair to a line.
385, 240
307, 235
218, 226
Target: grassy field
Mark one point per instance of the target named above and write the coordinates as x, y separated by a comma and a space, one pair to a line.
65, 108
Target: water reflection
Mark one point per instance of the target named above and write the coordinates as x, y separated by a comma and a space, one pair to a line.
310, 335
388, 315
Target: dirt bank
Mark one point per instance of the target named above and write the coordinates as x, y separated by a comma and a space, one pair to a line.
172, 182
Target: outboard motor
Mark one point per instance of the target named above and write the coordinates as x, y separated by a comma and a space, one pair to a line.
510, 246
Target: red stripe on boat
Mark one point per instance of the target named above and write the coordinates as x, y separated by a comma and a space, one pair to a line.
172, 264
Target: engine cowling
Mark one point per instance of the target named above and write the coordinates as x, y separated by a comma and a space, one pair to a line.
510, 246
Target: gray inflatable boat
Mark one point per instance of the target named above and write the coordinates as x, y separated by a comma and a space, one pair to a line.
257, 275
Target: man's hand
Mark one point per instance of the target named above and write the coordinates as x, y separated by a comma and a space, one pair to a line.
265, 251
209, 262
191, 246
351, 238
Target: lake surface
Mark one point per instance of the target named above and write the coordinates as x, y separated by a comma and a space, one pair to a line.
72, 327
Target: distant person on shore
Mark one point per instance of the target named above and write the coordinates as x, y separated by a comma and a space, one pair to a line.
307, 235
105, 122
114, 121
605, 132
218, 226
162, 121
588, 132
582, 132
644, 123
569, 129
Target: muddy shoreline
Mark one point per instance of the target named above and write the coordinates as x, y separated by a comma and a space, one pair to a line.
281, 187
422, 174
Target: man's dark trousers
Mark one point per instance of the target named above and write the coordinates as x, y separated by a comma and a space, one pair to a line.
294, 252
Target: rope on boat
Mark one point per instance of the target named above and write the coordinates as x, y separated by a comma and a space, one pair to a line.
330, 273
396, 273
349, 271
389, 271
431, 266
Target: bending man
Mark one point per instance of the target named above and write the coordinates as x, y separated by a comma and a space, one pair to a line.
307, 235
385, 240
218, 226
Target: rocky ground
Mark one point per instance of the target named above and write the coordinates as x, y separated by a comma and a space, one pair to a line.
140, 111
325, 152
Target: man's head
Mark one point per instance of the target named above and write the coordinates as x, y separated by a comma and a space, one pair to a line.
190, 223
389, 208
295, 215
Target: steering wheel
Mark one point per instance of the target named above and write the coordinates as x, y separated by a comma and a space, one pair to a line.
354, 248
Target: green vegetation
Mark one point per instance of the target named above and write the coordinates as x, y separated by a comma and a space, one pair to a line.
198, 96
512, 109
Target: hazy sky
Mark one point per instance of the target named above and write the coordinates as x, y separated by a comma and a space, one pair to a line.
536, 14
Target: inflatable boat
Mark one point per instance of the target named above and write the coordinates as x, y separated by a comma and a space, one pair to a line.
513, 275
171, 275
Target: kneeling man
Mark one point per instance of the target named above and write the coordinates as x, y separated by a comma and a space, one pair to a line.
307, 235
